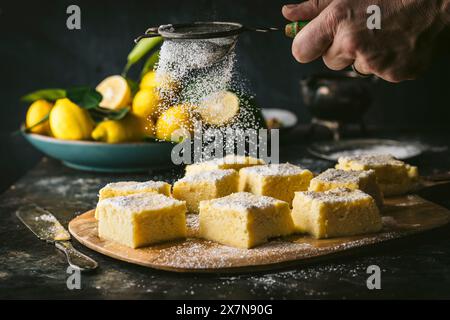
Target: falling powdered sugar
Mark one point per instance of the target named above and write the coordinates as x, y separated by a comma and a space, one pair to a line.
193, 73
200, 67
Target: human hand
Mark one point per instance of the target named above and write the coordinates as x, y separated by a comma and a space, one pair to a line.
400, 50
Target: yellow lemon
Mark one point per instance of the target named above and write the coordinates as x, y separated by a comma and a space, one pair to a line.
115, 91
148, 81
173, 123
145, 103
70, 122
128, 129
161, 81
36, 112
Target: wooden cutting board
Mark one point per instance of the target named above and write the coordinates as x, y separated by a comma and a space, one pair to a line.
402, 216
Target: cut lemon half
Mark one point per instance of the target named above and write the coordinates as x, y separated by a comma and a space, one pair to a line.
115, 91
219, 108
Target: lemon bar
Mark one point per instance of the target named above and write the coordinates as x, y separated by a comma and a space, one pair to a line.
205, 185
394, 176
124, 188
279, 181
365, 181
228, 162
335, 213
244, 220
141, 219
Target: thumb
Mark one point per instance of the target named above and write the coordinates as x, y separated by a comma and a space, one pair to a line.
307, 10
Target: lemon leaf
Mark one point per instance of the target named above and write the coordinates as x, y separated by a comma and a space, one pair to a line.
134, 86
45, 118
46, 94
150, 63
102, 114
85, 97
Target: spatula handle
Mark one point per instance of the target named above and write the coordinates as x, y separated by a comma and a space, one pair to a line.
293, 28
75, 258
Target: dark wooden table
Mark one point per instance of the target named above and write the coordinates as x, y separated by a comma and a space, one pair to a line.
416, 267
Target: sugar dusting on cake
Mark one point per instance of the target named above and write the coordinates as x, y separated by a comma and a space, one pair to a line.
337, 195
284, 169
244, 201
372, 160
336, 175
149, 201
210, 176
135, 186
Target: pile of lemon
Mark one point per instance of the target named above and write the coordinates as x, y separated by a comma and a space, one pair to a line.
146, 117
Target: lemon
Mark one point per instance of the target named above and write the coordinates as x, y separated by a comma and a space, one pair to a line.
70, 122
175, 121
129, 129
162, 82
145, 103
148, 81
36, 112
219, 108
115, 91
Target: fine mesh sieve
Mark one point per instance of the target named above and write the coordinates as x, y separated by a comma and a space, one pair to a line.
219, 38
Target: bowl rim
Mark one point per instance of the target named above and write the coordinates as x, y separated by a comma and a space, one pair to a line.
41, 137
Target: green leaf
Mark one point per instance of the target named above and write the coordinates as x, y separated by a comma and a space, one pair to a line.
150, 63
134, 86
46, 94
102, 114
85, 97
45, 118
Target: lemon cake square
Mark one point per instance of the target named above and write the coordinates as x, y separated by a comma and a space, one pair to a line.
279, 181
141, 219
205, 185
365, 181
335, 213
395, 177
244, 220
228, 162
124, 188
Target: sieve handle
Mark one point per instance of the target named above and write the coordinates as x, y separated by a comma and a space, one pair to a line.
293, 28
262, 29
149, 33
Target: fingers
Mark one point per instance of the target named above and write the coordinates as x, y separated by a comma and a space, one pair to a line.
307, 10
362, 66
314, 39
341, 53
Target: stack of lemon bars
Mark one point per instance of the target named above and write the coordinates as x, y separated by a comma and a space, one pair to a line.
243, 202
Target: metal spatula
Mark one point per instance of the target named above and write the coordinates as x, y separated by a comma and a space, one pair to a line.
46, 227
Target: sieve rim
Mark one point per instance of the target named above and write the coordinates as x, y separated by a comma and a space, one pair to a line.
166, 32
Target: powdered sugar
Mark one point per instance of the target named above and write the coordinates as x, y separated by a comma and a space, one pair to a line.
243, 201
139, 202
210, 176
135, 186
375, 160
341, 195
284, 169
336, 175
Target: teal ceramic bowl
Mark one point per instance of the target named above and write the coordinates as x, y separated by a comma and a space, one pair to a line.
105, 157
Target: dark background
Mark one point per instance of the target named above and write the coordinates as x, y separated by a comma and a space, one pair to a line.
38, 51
